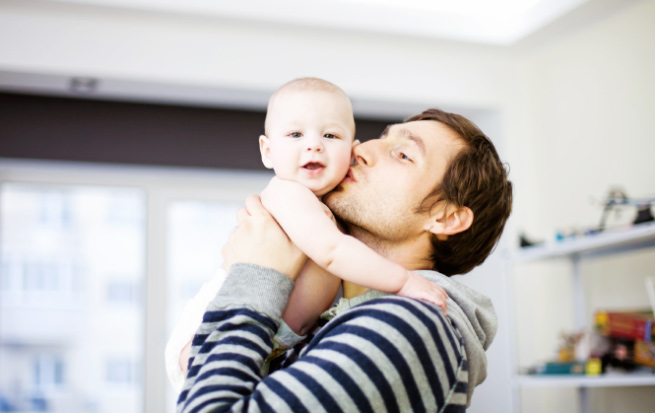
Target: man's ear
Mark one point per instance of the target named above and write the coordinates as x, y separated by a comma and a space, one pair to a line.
265, 150
449, 220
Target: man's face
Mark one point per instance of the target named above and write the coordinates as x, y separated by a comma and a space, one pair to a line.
309, 138
391, 177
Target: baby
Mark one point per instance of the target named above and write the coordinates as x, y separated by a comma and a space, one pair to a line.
308, 141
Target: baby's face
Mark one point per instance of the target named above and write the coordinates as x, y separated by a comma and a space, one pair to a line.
309, 138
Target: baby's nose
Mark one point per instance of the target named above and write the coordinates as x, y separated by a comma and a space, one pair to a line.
315, 144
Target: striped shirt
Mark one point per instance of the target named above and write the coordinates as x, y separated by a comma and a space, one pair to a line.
387, 354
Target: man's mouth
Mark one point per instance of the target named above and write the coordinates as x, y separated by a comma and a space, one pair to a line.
350, 176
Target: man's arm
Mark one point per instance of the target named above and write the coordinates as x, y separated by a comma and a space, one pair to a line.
389, 354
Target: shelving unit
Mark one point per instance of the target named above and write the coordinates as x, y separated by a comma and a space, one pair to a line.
576, 250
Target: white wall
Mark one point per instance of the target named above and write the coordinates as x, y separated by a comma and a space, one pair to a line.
591, 98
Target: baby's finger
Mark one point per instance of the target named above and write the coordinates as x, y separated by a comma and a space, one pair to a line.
444, 302
441, 303
439, 298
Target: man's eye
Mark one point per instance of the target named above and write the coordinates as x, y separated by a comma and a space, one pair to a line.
330, 136
295, 135
403, 156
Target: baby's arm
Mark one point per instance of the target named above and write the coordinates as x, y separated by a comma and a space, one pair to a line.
312, 294
301, 215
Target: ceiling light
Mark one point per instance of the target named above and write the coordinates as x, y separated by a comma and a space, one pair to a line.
459, 7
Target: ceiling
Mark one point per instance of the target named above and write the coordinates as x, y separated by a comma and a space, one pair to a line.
520, 25
497, 22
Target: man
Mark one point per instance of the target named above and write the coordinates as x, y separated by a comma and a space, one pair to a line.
431, 195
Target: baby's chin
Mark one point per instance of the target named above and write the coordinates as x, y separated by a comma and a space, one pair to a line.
319, 191
322, 191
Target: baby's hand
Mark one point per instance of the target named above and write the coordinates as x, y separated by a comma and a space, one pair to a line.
419, 288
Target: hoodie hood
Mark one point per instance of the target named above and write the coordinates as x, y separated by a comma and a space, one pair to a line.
474, 316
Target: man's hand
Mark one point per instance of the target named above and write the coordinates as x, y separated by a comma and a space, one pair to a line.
419, 288
259, 240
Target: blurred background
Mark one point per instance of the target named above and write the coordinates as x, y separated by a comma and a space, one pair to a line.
128, 139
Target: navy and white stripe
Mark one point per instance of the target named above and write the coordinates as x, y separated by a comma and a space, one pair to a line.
387, 354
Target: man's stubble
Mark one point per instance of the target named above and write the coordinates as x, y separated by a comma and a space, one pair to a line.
378, 220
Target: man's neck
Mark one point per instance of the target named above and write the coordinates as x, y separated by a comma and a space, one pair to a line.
410, 255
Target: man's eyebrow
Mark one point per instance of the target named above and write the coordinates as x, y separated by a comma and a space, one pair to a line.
407, 134
385, 132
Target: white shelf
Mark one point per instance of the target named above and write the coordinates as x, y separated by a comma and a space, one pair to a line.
608, 380
607, 242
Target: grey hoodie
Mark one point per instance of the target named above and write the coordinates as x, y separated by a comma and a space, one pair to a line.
474, 316
237, 330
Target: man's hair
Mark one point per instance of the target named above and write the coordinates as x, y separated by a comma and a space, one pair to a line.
477, 179
304, 84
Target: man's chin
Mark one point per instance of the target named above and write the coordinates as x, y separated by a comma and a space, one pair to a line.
332, 196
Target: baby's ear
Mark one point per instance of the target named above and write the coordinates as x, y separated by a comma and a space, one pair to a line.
265, 150
352, 152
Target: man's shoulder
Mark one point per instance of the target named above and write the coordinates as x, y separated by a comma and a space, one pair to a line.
392, 314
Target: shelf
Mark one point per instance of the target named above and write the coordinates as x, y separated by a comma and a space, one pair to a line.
576, 250
607, 242
608, 380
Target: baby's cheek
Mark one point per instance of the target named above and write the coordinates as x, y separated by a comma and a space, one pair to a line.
344, 163
284, 173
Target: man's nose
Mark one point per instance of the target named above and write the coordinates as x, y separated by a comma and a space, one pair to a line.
364, 154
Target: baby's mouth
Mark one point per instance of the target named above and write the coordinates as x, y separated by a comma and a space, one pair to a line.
312, 166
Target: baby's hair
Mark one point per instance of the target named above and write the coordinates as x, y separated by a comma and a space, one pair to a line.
304, 84
310, 83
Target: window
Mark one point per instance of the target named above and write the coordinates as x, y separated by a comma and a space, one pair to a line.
53, 208
121, 371
198, 230
95, 264
122, 292
48, 371
58, 252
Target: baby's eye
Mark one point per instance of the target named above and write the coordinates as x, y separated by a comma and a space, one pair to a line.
295, 135
330, 136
